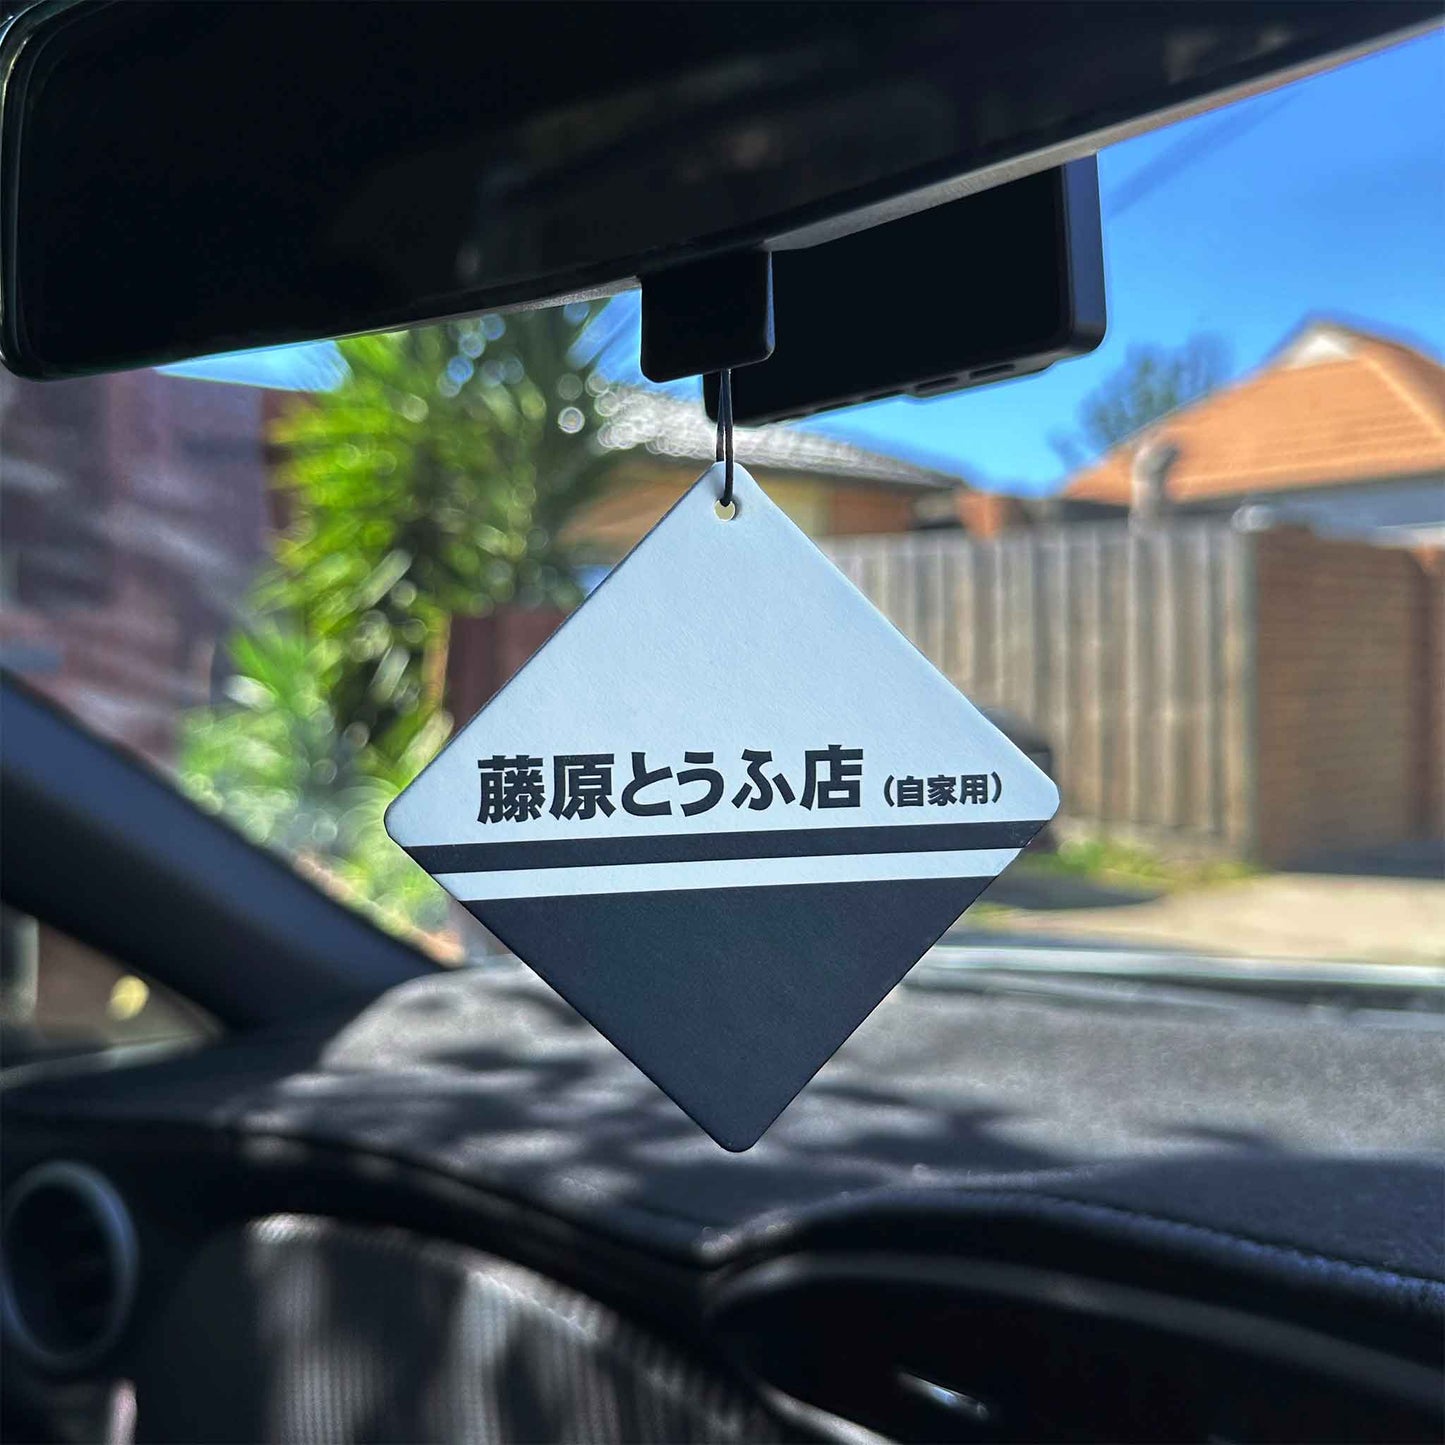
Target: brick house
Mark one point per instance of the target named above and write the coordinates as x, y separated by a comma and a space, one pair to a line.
1331, 458
829, 488
1341, 431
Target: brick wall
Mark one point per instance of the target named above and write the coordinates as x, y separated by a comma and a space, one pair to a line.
986, 514
1348, 696
132, 520
1430, 715
868, 511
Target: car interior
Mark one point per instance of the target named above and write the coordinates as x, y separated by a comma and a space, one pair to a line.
346, 1193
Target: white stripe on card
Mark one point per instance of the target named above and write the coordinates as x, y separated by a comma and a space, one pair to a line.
725, 873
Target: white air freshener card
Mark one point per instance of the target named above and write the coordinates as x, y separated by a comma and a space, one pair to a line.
724, 809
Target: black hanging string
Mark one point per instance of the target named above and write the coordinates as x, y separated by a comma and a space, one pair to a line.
725, 433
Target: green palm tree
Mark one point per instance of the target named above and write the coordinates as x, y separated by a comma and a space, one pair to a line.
436, 479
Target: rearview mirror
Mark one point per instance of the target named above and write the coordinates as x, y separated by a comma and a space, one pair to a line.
183, 179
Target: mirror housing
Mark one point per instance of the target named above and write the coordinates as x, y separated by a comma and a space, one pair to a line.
178, 180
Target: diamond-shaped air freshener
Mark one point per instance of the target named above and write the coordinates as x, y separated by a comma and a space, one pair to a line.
724, 809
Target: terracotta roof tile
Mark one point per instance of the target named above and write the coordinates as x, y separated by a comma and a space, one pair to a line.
1334, 406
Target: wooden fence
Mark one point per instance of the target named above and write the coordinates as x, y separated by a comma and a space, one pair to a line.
1132, 652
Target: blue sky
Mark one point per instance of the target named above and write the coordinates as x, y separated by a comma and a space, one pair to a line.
1324, 198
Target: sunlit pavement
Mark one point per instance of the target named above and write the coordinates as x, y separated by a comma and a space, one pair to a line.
1280, 916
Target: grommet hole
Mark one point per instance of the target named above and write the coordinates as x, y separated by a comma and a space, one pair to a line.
725, 511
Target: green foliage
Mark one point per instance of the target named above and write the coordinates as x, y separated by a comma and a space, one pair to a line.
436, 479
1151, 383
1108, 860
280, 763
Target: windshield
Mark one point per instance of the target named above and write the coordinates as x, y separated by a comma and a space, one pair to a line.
1196, 576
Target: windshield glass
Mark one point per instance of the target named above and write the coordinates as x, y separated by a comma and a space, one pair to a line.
1197, 576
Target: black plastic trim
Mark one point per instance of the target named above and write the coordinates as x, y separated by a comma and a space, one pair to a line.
1396, 1382
95, 844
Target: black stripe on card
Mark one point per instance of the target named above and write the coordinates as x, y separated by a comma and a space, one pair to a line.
730, 998
710, 847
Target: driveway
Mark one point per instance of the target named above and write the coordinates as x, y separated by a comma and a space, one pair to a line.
1283, 915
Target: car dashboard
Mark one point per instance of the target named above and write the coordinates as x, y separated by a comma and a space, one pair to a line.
456, 1214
